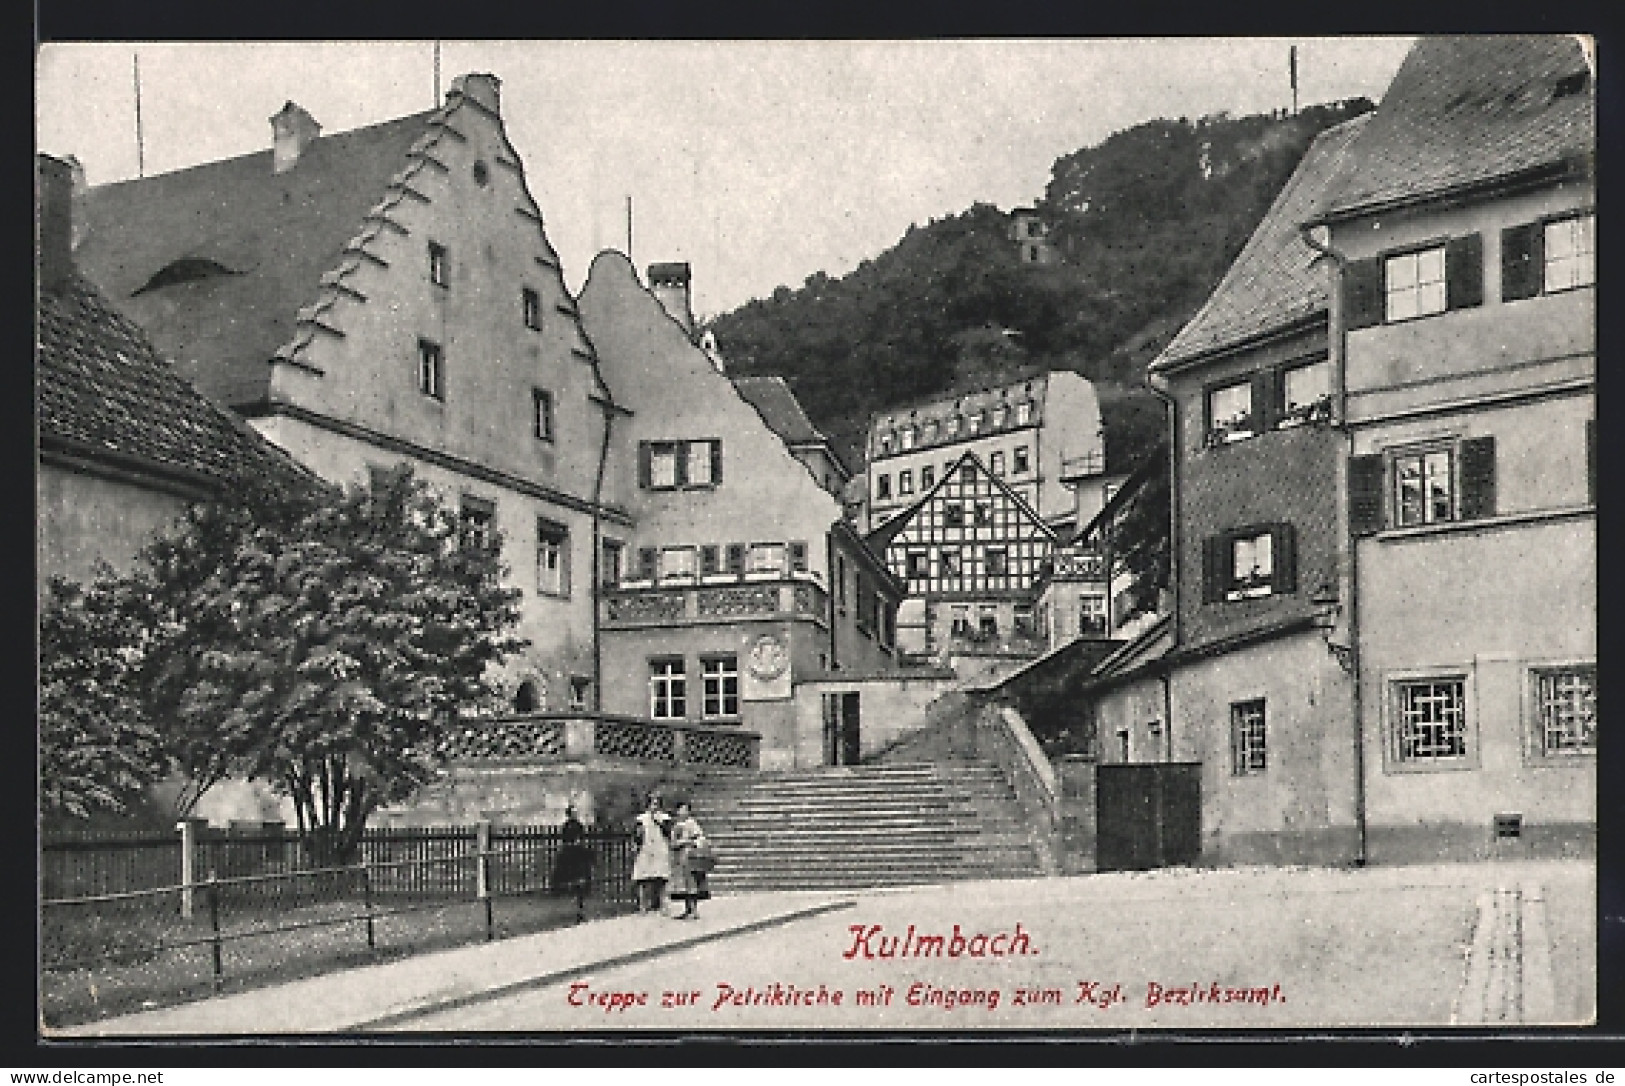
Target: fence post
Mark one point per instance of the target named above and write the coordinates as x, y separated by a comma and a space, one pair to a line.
482, 870
366, 898
212, 892
188, 828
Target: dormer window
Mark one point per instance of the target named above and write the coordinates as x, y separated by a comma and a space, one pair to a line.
999, 415
975, 422
953, 426
1024, 414
439, 272
908, 437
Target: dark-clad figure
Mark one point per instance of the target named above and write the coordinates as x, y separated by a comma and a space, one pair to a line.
687, 881
572, 872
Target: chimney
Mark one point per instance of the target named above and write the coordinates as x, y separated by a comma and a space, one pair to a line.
292, 130
669, 283
480, 88
55, 223
76, 170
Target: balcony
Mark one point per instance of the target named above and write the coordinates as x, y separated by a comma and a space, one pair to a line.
1086, 466
631, 605
542, 738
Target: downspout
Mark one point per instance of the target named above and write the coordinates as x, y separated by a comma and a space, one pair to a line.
834, 589
1338, 343
1158, 384
597, 563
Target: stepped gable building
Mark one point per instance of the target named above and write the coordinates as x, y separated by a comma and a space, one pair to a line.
1467, 243
389, 294
125, 444
1255, 680
738, 578
779, 408
1041, 436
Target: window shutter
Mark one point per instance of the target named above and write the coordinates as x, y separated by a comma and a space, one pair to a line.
680, 470
1523, 261
716, 462
798, 557
1284, 553
736, 558
1477, 478
1264, 413
645, 466
1362, 293
1212, 563
1591, 460
1464, 272
1366, 476
647, 556
708, 560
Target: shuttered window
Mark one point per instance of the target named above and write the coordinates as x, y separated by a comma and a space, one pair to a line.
1430, 485
1362, 293
1250, 563
1464, 272
1591, 460
1366, 475
679, 465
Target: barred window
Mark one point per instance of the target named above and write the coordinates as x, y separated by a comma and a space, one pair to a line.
719, 681
668, 690
1432, 720
1566, 710
1247, 739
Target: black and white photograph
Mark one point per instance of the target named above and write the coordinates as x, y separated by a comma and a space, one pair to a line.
1086, 536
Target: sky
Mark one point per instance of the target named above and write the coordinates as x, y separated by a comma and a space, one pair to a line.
759, 163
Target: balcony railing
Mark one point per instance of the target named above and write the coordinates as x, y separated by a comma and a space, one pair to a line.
631, 605
1082, 467
584, 737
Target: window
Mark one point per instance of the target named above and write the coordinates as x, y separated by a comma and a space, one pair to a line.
719, 686
431, 370
1247, 739
953, 426
1249, 563
552, 558
1306, 393
1023, 621
736, 558
1123, 748
885, 443
609, 564
1020, 463
798, 557
987, 623
1024, 414
668, 690
677, 563
1424, 488
953, 515
1566, 711
930, 431
710, 560
999, 415
928, 476
840, 580
974, 422
1252, 566
1570, 253
967, 472
1430, 718
919, 564
908, 437
1413, 284
996, 463
767, 557
983, 513
541, 402
531, 304
960, 624
1091, 615
948, 561
905, 482
648, 563
476, 522
1230, 413
997, 564
882, 486
580, 688
679, 465
439, 274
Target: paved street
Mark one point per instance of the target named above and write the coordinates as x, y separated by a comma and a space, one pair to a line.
1275, 948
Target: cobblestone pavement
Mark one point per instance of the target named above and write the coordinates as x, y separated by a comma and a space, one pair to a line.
1499, 945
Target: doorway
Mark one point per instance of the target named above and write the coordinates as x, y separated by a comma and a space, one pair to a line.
842, 740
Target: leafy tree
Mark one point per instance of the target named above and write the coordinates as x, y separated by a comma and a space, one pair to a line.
97, 749
1142, 537
321, 643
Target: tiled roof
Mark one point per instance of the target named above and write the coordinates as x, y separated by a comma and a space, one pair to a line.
1467, 110
943, 405
1274, 281
779, 408
101, 388
272, 235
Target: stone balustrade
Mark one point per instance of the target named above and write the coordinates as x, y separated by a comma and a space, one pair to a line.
629, 606
596, 737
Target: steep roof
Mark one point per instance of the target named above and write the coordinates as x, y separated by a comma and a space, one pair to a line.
1471, 110
1274, 281
267, 237
103, 392
779, 408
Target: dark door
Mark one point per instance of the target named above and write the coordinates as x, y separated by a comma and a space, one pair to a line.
832, 729
851, 747
1147, 815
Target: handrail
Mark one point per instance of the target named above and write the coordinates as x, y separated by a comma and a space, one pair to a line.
1010, 743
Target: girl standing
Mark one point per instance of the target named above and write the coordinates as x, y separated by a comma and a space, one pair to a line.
687, 883
652, 867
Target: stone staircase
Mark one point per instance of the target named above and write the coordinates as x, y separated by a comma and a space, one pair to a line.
848, 827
